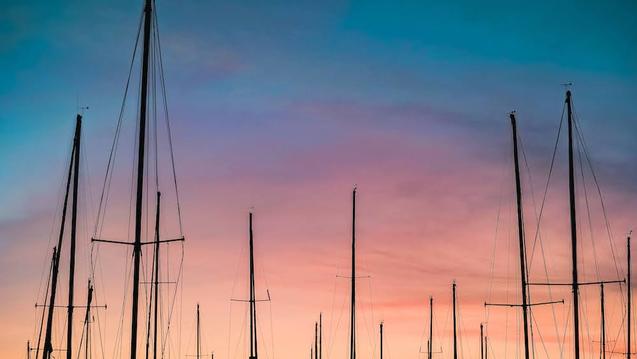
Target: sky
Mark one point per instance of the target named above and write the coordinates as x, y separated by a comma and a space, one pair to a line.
282, 107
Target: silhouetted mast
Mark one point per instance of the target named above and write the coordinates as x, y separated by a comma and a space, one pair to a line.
455, 324
353, 290
481, 341
521, 244
602, 335
430, 344
573, 215
73, 170
198, 334
316, 351
320, 336
253, 306
525, 305
139, 199
381, 340
628, 302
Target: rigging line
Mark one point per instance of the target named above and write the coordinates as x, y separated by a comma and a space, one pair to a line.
46, 295
548, 180
588, 209
538, 217
179, 281
271, 331
539, 333
338, 322
331, 320
495, 241
263, 341
99, 329
608, 228
566, 323
524, 249
601, 197
154, 101
53, 225
619, 332
129, 266
168, 128
113, 151
170, 314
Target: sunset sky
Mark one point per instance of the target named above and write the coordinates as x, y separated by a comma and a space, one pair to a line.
284, 106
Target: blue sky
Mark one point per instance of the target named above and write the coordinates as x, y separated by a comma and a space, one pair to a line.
310, 95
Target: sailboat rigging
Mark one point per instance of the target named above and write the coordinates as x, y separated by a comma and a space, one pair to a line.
525, 305
145, 121
352, 330
71, 189
252, 301
575, 283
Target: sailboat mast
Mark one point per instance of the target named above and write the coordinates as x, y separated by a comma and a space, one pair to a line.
602, 336
198, 335
352, 342
481, 341
76, 172
455, 329
628, 302
430, 345
571, 188
381, 340
139, 200
253, 307
522, 247
320, 336
48, 346
316, 340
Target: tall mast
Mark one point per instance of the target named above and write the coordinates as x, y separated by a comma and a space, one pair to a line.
316, 354
455, 333
253, 307
522, 246
430, 345
320, 336
481, 341
198, 335
352, 341
48, 346
628, 302
602, 335
76, 172
381, 340
571, 189
139, 200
